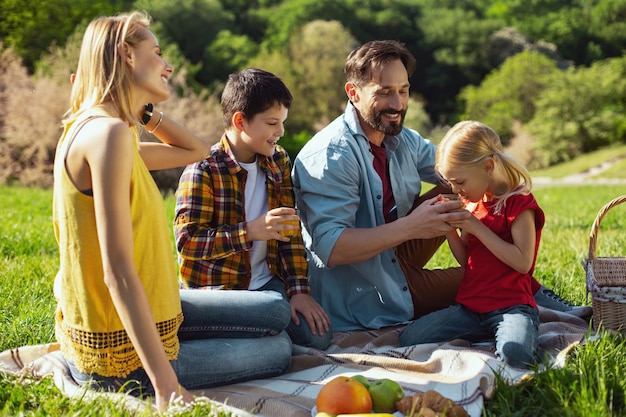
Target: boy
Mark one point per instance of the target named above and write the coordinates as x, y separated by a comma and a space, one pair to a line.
232, 207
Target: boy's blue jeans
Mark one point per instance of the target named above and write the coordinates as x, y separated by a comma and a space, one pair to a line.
300, 335
226, 337
515, 330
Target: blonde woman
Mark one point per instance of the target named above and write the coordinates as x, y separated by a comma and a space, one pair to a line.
497, 246
120, 311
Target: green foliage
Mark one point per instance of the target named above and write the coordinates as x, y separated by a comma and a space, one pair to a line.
192, 25
385, 19
317, 53
509, 93
584, 30
459, 39
61, 61
294, 142
582, 110
312, 62
231, 50
417, 119
608, 23
460, 47
31, 26
287, 18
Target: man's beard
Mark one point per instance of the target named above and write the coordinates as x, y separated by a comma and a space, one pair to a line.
393, 128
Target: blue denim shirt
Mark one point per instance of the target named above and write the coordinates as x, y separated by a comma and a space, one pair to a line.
336, 187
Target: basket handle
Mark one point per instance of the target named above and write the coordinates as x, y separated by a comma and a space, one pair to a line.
593, 235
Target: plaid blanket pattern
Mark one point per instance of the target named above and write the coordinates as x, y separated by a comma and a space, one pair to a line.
462, 372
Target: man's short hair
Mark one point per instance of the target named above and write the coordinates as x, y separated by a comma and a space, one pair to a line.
362, 60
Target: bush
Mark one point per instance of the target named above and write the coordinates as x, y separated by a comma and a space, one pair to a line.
30, 125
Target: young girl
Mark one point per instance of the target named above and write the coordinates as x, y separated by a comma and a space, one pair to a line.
120, 313
497, 246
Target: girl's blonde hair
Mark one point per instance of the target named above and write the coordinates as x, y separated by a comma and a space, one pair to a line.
470, 143
102, 75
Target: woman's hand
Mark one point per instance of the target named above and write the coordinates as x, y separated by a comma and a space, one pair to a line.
165, 399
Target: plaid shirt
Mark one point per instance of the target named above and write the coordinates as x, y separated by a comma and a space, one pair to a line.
210, 223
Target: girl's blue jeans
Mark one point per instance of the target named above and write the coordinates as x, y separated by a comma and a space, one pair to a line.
515, 330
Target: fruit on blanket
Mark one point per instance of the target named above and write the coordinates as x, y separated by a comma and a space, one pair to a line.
385, 393
364, 381
323, 414
343, 395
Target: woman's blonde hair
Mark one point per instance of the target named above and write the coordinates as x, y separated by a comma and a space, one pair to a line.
470, 143
102, 75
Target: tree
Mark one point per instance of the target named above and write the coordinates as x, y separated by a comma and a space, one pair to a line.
290, 16
581, 110
583, 30
509, 93
232, 51
31, 26
457, 38
192, 25
318, 53
607, 24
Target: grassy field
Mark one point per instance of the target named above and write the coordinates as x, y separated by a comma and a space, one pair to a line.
592, 383
589, 161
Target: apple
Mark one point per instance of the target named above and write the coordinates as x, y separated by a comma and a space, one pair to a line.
364, 381
385, 393
343, 395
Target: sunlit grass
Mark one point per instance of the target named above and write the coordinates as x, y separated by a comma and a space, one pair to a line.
592, 383
584, 163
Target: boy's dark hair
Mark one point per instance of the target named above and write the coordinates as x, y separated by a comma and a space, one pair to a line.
361, 61
252, 91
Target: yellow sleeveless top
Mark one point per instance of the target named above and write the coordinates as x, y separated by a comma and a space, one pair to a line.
87, 326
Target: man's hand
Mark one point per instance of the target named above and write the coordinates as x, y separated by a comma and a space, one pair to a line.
434, 217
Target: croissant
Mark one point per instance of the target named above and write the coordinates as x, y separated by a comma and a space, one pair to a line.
429, 404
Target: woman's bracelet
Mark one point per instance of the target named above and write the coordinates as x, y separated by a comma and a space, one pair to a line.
158, 123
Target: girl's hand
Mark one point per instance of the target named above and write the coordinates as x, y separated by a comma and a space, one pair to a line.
469, 225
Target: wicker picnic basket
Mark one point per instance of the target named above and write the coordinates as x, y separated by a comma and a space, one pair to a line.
606, 280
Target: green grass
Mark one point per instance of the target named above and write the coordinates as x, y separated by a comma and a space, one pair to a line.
617, 170
587, 161
592, 383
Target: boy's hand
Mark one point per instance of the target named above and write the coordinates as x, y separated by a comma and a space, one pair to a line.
269, 225
314, 314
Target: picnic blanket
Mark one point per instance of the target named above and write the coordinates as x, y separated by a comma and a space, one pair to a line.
462, 372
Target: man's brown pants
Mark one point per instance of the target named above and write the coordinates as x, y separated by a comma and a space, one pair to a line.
431, 289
